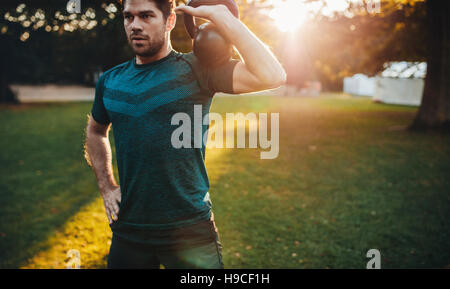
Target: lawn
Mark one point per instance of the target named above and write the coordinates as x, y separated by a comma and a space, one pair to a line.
349, 177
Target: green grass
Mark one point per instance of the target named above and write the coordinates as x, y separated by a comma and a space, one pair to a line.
348, 178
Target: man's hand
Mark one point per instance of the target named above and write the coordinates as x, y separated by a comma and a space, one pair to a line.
111, 200
259, 69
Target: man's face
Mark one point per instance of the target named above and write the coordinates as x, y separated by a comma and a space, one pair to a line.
145, 27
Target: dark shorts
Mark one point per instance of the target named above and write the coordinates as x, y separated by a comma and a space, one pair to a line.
125, 254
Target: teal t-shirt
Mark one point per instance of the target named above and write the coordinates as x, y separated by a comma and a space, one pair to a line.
162, 187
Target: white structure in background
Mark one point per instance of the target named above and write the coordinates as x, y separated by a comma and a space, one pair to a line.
360, 84
401, 83
53, 93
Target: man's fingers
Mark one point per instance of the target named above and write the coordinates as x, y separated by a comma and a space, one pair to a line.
116, 208
180, 8
187, 9
111, 202
114, 216
108, 214
111, 207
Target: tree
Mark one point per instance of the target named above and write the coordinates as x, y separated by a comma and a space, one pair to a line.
434, 111
61, 49
41, 42
403, 30
357, 40
413, 31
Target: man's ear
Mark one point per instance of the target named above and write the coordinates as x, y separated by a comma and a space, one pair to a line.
171, 21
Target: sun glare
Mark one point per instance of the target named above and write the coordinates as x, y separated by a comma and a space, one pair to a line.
289, 15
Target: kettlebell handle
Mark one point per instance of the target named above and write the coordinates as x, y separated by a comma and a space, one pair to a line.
189, 21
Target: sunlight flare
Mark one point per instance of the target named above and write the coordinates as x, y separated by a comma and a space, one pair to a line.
289, 15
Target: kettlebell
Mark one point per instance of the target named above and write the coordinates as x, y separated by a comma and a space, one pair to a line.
209, 46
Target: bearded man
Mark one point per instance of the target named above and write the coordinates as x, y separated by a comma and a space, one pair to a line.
161, 212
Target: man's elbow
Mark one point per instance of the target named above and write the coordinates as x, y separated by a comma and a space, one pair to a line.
275, 80
281, 79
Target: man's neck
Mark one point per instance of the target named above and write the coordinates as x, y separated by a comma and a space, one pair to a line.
161, 54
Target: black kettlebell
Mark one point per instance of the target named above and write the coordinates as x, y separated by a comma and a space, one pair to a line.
209, 46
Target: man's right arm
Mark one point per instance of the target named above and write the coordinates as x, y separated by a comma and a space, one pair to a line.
99, 156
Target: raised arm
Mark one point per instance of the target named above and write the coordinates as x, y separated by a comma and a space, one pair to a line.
99, 157
260, 69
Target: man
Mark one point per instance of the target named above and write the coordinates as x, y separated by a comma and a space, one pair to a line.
161, 212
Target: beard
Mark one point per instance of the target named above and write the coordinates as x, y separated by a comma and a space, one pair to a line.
149, 46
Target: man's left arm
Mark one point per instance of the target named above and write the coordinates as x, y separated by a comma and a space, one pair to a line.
260, 70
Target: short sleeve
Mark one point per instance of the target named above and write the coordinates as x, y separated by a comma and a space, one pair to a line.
98, 111
219, 79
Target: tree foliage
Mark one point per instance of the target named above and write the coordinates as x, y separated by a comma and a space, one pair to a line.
355, 41
42, 42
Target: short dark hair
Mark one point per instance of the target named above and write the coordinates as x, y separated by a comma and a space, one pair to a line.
166, 6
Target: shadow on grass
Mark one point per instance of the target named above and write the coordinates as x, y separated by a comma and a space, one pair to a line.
44, 178
344, 183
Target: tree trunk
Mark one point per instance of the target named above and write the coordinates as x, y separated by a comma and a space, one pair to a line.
434, 112
6, 95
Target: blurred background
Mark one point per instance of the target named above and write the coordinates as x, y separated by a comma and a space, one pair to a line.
364, 143
315, 40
